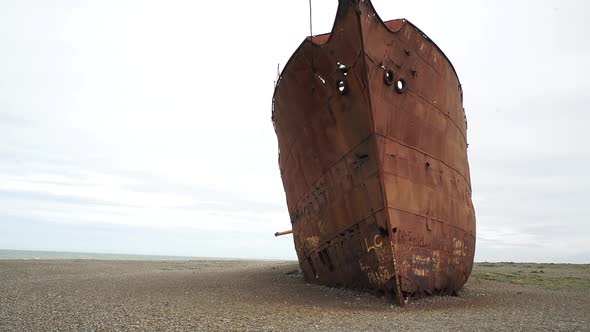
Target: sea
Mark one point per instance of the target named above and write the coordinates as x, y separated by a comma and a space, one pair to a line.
34, 254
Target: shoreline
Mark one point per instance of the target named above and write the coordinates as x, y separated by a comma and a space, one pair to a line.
14, 254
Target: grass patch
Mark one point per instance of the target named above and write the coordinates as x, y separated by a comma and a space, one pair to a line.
549, 276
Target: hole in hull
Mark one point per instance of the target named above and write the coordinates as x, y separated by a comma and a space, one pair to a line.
342, 88
400, 85
388, 77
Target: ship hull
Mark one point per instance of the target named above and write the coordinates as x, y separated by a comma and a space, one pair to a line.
373, 158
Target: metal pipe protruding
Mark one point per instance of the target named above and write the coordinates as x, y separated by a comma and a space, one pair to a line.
284, 233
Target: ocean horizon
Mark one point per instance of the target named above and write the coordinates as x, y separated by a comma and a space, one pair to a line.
40, 254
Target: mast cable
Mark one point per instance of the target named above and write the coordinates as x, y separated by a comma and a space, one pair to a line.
310, 21
311, 37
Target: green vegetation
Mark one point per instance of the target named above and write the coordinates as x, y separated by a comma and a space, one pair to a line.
549, 276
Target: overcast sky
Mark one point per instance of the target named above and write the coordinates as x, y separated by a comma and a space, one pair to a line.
144, 126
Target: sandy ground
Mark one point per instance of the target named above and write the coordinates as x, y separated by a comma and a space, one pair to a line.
87, 295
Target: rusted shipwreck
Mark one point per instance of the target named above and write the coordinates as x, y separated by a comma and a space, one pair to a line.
373, 158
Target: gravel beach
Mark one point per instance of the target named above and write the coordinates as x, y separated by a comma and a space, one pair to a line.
96, 295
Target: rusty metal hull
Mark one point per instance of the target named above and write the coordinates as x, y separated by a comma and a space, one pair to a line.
373, 158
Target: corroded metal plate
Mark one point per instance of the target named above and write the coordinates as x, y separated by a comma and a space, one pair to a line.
373, 157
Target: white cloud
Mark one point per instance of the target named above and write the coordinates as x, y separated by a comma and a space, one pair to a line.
157, 114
